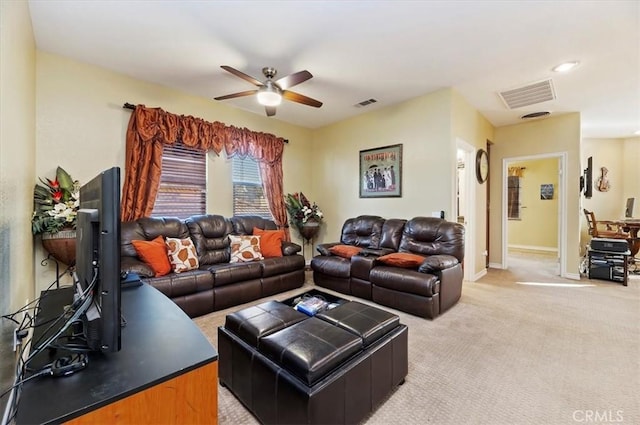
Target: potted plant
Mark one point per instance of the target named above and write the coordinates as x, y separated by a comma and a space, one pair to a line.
305, 216
55, 209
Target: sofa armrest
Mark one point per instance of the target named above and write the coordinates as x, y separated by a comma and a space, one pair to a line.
290, 248
133, 265
450, 286
323, 248
375, 252
436, 263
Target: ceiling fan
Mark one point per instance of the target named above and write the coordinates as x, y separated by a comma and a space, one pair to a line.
270, 92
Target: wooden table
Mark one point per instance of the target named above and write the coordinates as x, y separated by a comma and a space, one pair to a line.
631, 225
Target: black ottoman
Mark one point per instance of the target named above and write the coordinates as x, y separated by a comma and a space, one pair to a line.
336, 367
369, 323
253, 323
249, 325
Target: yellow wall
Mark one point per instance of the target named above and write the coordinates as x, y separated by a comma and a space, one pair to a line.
17, 145
422, 125
472, 127
621, 157
537, 227
631, 174
559, 134
427, 127
81, 126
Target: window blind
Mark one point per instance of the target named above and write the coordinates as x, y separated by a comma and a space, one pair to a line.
513, 197
183, 183
248, 195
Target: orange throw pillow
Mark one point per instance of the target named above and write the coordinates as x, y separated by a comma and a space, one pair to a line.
345, 251
154, 253
402, 259
270, 242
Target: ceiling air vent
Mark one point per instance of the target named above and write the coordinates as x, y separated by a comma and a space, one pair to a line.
365, 103
530, 94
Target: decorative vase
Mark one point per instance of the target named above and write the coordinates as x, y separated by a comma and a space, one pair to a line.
309, 230
61, 245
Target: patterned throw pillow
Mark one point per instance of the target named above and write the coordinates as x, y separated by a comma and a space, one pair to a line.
402, 259
345, 251
182, 254
245, 248
154, 253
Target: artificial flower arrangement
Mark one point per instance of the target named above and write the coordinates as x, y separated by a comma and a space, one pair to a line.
55, 203
301, 210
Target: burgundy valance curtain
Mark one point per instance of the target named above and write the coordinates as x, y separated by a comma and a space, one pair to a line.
150, 128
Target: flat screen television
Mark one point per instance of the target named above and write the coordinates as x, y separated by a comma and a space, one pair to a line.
588, 179
628, 210
98, 260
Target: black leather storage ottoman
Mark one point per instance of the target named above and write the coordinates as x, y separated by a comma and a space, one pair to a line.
336, 367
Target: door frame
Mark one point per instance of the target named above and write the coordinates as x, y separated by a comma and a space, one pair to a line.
562, 206
470, 204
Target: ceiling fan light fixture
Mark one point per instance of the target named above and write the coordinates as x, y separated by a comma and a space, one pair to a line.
269, 95
269, 98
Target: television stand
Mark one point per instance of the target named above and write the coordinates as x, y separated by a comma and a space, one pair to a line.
152, 379
606, 265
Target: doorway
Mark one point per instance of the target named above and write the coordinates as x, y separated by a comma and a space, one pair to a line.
465, 205
533, 213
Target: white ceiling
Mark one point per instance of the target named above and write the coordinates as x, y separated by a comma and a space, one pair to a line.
387, 50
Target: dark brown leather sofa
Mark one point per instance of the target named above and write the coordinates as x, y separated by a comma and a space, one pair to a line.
426, 291
217, 284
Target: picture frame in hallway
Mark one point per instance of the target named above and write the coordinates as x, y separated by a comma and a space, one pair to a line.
381, 172
546, 191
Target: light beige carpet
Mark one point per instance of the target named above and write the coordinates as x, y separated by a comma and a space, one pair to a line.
510, 353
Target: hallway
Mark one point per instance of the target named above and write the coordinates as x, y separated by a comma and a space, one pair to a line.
530, 266
540, 267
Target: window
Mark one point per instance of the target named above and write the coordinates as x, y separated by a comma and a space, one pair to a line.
183, 183
248, 196
513, 198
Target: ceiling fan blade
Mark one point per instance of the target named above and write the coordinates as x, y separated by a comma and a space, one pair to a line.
297, 97
293, 79
234, 95
242, 75
271, 110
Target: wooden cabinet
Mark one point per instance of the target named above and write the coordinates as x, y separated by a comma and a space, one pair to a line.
165, 373
187, 399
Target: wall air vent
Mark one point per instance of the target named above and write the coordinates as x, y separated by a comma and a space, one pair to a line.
535, 115
365, 103
530, 94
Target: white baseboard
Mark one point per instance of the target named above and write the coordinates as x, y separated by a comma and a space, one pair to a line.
496, 266
480, 274
534, 248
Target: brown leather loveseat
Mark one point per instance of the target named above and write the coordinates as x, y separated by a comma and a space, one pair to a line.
411, 265
217, 284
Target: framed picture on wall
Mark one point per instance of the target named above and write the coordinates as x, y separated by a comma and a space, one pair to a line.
381, 172
546, 191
